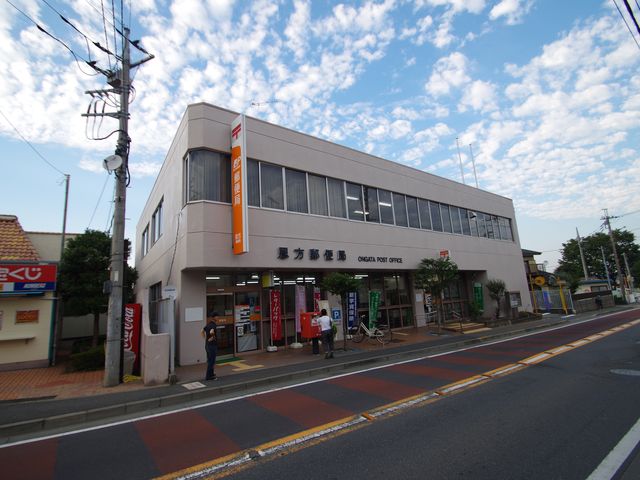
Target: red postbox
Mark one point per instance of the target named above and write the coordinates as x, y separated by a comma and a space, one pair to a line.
309, 324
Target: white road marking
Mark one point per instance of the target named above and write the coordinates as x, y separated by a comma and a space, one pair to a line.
612, 462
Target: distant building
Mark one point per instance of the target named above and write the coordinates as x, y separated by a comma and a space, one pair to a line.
27, 306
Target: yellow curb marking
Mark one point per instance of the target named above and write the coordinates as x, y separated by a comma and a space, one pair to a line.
240, 365
461, 384
535, 359
503, 370
559, 350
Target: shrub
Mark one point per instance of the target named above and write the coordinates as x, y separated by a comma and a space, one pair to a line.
91, 359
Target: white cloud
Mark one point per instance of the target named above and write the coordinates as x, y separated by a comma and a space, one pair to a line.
297, 29
479, 96
513, 11
448, 72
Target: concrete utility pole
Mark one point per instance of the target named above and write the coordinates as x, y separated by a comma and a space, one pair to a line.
120, 81
113, 345
606, 269
584, 263
615, 253
629, 276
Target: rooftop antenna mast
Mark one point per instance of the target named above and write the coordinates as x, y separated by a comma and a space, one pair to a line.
460, 159
473, 162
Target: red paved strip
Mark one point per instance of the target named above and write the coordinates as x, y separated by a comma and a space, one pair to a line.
433, 372
30, 461
183, 439
375, 386
302, 409
505, 352
458, 360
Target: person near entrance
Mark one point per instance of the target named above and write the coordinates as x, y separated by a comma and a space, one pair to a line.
210, 345
326, 327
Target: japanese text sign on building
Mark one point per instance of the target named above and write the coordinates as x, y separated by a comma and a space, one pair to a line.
314, 254
25, 278
239, 203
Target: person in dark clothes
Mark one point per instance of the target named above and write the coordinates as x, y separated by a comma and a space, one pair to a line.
210, 345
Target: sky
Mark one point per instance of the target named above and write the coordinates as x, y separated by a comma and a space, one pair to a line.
541, 96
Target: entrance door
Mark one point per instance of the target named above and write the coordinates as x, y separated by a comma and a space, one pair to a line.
248, 316
221, 304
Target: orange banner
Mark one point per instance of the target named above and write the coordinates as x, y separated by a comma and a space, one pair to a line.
240, 237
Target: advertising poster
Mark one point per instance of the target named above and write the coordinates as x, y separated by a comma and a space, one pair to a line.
374, 304
316, 299
276, 317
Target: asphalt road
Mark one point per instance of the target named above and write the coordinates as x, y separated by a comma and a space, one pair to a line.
555, 419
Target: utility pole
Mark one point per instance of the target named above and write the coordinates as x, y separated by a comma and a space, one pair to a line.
606, 269
120, 81
57, 326
113, 344
629, 276
584, 263
615, 253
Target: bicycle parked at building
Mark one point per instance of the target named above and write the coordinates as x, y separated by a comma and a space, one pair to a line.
381, 334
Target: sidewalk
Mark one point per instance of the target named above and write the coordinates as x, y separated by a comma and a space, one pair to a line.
46, 400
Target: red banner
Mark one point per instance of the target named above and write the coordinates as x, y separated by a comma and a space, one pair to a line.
132, 324
276, 316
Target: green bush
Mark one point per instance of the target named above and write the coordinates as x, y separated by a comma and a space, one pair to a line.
91, 359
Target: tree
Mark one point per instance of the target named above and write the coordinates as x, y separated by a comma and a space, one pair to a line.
570, 266
496, 289
84, 269
340, 284
433, 275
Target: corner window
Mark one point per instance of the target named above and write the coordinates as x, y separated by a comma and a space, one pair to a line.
208, 176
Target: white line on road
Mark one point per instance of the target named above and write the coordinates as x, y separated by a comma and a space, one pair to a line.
612, 462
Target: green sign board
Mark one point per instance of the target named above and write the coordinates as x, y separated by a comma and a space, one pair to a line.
374, 303
477, 295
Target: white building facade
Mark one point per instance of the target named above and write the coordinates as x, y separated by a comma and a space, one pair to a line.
314, 207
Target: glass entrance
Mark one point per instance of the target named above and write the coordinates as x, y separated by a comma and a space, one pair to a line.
222, 305
247, 321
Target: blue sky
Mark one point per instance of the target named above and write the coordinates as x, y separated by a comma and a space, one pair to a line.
546, 92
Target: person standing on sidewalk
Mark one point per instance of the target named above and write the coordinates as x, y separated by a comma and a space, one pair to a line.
326, 327
210, 345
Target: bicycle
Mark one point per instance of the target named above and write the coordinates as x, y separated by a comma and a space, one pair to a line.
383, 335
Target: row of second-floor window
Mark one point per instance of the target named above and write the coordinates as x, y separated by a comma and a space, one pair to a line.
208, 177
153, 231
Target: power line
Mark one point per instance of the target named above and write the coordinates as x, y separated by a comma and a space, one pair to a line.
633, 17
98, 202
625, 22
87, 39
32, 147
91, 64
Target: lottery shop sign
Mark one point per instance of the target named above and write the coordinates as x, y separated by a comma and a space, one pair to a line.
27, 278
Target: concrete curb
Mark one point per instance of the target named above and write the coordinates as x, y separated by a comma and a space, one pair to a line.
8, 432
